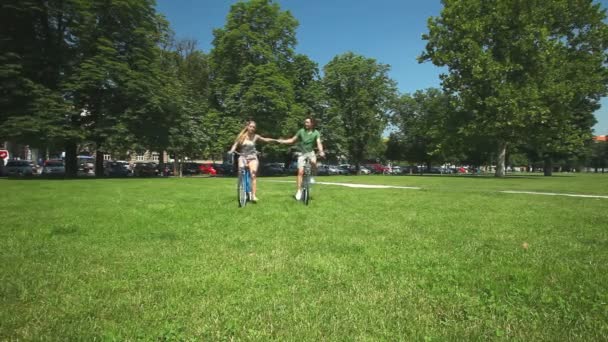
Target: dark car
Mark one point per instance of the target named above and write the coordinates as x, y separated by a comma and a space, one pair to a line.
20, 168
225, 169
166, 169
272, 169
145, 170
53, 168
116, 169
189, 169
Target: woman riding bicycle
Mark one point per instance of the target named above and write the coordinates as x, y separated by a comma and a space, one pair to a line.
308, 137
248, 155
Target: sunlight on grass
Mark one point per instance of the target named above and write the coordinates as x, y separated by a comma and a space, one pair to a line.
175, 259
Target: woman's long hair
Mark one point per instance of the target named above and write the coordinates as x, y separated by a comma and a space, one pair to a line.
243, 134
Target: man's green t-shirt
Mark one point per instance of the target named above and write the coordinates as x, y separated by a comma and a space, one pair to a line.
307, 140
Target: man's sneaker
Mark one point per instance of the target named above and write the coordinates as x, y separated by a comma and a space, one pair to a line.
312, 180
298, 195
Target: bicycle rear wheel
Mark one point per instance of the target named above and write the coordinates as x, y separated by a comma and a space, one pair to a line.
242, 191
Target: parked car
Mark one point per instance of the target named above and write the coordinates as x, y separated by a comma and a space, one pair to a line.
396, 170
165, 169
377, 168
327, 170
145, 170
116, 169
189, 169
225, 168
438, 170
207, 169
406, 170
345, 169
293, 167
272, 169
338, 170
54, 168
20, 168
364, 170
86, 166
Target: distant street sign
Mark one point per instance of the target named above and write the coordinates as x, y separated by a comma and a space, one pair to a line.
3, 154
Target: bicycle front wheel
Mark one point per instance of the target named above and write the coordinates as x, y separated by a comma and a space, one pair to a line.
306, 195
241, 191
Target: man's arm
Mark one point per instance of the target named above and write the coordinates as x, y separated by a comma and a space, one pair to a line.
288, 141
320, 147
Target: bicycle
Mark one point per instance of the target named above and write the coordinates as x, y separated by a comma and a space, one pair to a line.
306, 181
243, 185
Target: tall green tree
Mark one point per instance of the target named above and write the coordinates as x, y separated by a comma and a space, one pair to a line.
37, 50
505, 62
117, 73
73, 70
598, 155
360, 93
251, 61
574, 78
424, 121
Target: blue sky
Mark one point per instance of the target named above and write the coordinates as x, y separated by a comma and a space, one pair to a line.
388, 30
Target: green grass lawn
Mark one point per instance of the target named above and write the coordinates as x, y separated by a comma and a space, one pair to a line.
175, 259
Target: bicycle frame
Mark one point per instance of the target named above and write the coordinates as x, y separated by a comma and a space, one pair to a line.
243, 185
306, 181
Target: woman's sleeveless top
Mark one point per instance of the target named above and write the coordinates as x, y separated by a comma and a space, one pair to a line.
248, 148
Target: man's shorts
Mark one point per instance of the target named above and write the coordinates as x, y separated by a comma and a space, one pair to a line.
302, 159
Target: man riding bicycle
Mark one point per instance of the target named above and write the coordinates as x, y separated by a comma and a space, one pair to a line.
306, 137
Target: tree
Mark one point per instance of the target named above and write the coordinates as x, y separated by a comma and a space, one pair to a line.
117, 71
36, 52
598, 155
424, 122
75, 70
574, 78
360, 94
182, 123
252, 76
505, 62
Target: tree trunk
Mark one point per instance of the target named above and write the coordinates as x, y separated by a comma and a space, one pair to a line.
548, 167
71, 162
99, 163
177, 166
161, 158
500, 161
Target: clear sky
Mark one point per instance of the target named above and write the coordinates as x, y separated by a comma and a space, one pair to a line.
388, 30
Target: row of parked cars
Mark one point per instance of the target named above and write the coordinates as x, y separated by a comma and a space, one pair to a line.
51, 167
118, 168
114, 168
